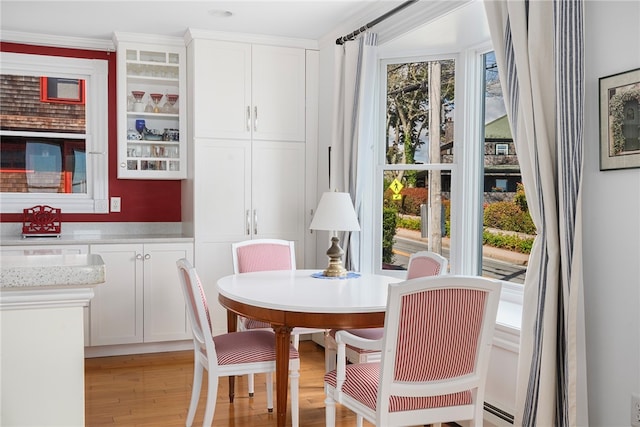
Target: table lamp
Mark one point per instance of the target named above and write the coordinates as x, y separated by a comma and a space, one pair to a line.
335, 212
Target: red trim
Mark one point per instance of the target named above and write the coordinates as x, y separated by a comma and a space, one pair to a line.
44, 93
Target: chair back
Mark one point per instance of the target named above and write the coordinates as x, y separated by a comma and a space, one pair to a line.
263, 255
426, 263
436, 345
197, 308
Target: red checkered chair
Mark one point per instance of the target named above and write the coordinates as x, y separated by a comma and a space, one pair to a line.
435, 352
421, 264
265, 255
235, 353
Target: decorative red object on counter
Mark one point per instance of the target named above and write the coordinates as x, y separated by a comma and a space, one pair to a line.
41, 220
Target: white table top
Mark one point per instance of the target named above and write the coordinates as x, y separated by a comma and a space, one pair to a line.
298, 291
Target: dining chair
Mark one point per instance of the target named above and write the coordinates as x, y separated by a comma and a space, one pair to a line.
234, 353
421, 264
265, 255
435, 352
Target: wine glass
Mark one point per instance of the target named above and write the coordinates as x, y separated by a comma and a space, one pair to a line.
137, 95
156, 97
171, 101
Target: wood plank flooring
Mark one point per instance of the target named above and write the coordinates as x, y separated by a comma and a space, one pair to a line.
154, 390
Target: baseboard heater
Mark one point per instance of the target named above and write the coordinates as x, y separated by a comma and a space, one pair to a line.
499, 413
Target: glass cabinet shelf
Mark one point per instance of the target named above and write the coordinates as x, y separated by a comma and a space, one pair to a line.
151, 106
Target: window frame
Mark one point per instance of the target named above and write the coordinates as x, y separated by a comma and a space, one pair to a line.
502, 149
467, 179
95, 74
45, 83
373, 262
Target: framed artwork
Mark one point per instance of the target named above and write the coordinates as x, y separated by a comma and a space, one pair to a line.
620, 120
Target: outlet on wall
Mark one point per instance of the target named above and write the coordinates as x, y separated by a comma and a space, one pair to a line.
635, 409
115, 204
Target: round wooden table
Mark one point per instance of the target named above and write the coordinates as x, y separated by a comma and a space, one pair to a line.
294, 298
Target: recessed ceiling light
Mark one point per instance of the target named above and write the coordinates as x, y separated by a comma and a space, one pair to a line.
220, 13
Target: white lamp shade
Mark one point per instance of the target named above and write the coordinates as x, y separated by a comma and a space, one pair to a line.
335, 213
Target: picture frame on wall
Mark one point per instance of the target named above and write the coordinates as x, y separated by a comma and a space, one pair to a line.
620, 120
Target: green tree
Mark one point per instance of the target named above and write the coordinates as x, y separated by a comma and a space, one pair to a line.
389, 219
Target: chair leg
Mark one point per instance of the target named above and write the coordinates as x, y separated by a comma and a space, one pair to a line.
250, 384
330, 412
295, 340
294, 386
329, 353
212, 393
195, 391
359, 419
269, 391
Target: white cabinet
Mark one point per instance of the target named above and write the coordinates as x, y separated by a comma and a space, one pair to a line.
248, 119
141, 300
151, 91
245, 91
249, 190
52, 249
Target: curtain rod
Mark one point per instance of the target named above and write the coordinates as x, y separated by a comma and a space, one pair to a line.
355, 33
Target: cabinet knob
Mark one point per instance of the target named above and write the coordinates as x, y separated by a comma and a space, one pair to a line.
147, 256
139, 256
123, 165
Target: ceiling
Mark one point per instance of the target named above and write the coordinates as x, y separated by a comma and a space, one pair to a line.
96, 19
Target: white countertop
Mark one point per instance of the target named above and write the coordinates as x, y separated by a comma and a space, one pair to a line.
89, 239
29, 271
97, 233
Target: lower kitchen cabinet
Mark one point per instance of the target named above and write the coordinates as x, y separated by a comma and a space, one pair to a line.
141, 300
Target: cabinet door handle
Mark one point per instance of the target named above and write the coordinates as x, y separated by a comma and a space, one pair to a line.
248, 118
248, 217
255, 119
255, 221
147, 256
139, 256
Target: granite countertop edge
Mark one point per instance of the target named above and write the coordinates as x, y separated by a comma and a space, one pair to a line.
51, 271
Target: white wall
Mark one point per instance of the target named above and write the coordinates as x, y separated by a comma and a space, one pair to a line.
611, 207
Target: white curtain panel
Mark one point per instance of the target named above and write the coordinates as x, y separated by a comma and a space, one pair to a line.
539, 50
352, 141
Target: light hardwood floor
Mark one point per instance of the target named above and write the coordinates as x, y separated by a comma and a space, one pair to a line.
154, 390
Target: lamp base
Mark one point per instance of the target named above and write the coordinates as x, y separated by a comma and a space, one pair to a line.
335, 252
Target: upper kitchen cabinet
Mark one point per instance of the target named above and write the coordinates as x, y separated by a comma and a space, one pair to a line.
151, 93
248, 91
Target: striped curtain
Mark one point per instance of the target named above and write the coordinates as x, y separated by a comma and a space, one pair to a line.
351, 144
539, 50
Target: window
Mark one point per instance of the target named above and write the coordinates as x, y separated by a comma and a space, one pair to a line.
64, 91
54, 133
415, 174
502, 149
507, 227
501, 185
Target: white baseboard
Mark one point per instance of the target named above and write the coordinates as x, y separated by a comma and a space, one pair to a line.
120, 350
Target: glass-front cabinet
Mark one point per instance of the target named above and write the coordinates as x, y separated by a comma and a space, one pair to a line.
151, 108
